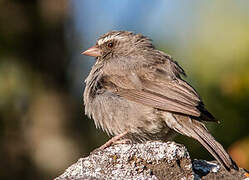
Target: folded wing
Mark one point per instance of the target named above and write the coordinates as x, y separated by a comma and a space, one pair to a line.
156, 86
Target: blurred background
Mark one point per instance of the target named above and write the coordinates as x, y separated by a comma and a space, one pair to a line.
43, 129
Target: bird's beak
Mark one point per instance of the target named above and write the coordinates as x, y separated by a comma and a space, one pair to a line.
92, 51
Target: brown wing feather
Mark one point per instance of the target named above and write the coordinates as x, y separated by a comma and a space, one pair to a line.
158, 101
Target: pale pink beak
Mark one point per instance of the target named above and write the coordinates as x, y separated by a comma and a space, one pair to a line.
92, 51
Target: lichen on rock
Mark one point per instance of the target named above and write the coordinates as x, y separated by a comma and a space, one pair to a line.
151, 160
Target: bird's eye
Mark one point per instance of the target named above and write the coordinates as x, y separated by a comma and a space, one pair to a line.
110, 44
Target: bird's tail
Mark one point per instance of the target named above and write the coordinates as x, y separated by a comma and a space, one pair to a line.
195, 129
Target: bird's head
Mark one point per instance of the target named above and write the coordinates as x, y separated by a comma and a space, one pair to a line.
118, 44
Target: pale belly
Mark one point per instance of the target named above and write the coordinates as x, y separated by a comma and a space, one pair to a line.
116, 115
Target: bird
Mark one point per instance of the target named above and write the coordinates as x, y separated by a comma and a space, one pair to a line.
136, 93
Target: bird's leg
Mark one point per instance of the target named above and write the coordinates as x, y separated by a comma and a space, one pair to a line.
115, 140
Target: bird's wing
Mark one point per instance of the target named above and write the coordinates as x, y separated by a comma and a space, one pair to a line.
161, 87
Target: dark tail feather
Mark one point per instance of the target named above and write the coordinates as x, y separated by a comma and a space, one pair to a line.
215, 148
198, 131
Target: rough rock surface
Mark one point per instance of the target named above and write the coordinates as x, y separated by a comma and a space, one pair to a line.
150, 160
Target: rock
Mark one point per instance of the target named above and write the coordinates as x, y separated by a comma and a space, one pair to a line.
150, 161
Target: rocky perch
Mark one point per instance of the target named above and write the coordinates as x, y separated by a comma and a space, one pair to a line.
150, 160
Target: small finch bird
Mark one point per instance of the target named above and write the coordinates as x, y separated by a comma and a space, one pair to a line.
135, 92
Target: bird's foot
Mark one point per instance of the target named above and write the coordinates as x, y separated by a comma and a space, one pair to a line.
115, 140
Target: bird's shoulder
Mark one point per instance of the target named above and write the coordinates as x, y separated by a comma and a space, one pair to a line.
148, 62
132, 71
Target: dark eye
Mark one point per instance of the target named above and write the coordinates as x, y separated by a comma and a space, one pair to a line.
110, 44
